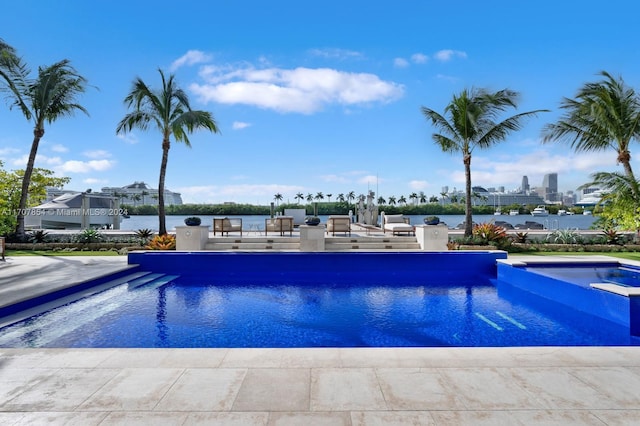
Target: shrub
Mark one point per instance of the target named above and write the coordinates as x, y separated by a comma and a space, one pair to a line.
38, 236
192, 221
162, 242
490, 233
521, 237
564, 236
611, 236
89, 236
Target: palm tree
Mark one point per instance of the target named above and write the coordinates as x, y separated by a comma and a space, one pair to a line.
50, 96
433, 199
351, 196
422, 198
169, 110
329, 197
341, 198
392, 200
402, 200
472, 123
299, 196
444, 195
319, 196
309, 197
381, 201
277, 198
603, 115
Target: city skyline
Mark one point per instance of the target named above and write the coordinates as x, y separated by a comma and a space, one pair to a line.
315, 97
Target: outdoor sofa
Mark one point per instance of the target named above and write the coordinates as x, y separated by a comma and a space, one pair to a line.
339, 223
225, 224
396, 224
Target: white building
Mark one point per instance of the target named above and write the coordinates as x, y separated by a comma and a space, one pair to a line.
140, 194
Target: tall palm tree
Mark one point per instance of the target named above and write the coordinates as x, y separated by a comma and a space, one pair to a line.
329, 197
309, 197
341, 198
603, 115
351, 196
422, 197
469, 122
277, 198
381, 201
319, 196
50, 96
299, 196
167, 109
402, 200
413, 197
392, 200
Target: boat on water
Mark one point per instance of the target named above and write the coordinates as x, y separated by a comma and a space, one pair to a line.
562, 212
540, 211
514, 212
79, 210
497, 212
587, 213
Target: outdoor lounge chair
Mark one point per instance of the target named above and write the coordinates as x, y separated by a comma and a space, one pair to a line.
227, 225
397, 223
339, 224
279, 224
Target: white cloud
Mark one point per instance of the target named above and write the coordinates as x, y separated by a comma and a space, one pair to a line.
192, 57
334, 179
129, 138
92, 181
98, 153
74, 166
447, 54
59, 148
238, 125
419, 185
400, 63
419, 58
218, 194
370, 180
333, 53
41, 161
299, 90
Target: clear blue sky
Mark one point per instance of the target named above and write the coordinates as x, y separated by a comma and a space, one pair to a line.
315, 96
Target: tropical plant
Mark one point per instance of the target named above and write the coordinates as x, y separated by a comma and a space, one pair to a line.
144, 234
620, 205
299, 196
564, 236
521, 237
89, 235
51, 95
603, 115
162, 242
472, 123
612, 236
38, 236
490, 233
192, 221
277, 198
169, 110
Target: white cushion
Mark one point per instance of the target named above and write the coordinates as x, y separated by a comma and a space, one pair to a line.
394, 218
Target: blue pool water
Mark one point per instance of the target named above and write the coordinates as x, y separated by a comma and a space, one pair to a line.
584, 275
216, 299
195, 314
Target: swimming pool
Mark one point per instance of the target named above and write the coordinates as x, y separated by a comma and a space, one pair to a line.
311, 300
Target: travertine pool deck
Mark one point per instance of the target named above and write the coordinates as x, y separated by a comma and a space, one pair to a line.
322, 386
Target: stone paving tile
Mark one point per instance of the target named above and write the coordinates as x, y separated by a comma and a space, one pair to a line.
618, 384
310, 419
556, 417
255, 358
60, 418
618, 417
488, 389
131, 418
475, 418
417, 389
61, 390
228, 419
550, 385
391, 418
133, 389
75, 358
274, 389
203, 389
345, 389
15, 381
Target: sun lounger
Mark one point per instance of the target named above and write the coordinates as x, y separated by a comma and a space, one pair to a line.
340, 223
279, 224
227, 225
397, 223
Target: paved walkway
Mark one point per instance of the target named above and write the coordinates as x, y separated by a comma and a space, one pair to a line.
368, 386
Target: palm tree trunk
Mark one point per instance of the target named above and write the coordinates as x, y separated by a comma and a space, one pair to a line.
26, 181
162, 229
629, 172
468, 220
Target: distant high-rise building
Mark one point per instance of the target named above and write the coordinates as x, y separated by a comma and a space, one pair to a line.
525, 185
445, 190
550, 185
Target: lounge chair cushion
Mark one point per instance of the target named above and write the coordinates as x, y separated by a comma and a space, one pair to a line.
393, 218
